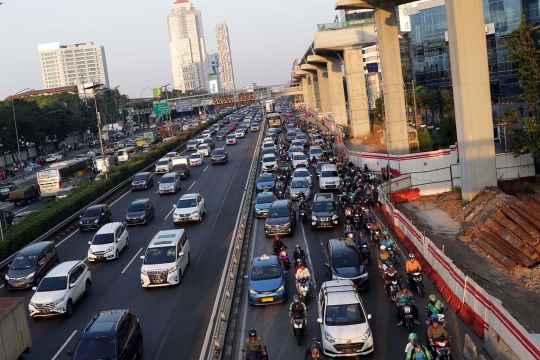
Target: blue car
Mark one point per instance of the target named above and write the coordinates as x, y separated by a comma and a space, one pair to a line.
262, 204
267, 281
266, 181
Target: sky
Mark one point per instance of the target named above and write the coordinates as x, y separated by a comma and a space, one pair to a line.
266, 37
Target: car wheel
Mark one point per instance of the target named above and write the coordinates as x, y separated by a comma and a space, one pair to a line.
69, 308
140, 348
117, 254
87, 288
200, 217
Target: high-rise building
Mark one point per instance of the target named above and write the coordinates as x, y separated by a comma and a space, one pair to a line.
72, 64
225, 58
188, 49
212, 65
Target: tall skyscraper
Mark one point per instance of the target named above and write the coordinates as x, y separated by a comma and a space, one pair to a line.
188, 50
212, 62
71, 64
225, 58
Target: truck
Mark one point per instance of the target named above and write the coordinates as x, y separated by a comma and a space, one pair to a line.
24, 194
143, 141
269, 105
181, 165
14, 332
98, 163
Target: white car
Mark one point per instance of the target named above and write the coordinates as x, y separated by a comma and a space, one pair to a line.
299, 159
192, 145
269, 163
196, 159
62, 287
190, 207
164, 165
231, 139
207, 134
200, 138
171, 154
239, 133
108, 242
204, 149
302, 173
91, 154
53, 157
165, 259
269, 145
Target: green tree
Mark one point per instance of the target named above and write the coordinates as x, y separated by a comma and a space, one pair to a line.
379, 108
406, 70
448, 103
448, 131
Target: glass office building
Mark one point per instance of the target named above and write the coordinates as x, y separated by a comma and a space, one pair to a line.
429, 47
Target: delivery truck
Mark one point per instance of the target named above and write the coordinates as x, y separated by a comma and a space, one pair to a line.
14, 331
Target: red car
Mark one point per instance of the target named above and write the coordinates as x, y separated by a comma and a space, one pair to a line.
288, 114
231, 127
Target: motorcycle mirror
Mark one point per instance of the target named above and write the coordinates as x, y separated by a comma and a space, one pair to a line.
369, 317
327, 264
319, 320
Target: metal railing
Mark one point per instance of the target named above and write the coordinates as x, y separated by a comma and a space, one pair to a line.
345, 24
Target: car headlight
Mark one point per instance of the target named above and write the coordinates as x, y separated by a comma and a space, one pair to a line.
29, 276
144, 272
329, 337
110, 249
80, 222
313, 218
90, 251
59, 301
33, 304
194, 213
252, 292
334, 217
173, 269
366, 335
96, 221
364, 275
287, 225
281, 288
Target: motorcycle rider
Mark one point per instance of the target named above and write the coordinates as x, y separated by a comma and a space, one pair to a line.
253, 343
410, 345
348, 228
277, 245
388, 276
314, 351
435, 331
386, 241
375, 225
419, 352
412, 266
298, 306
434, 306
404, 297
298, 254
383, 255
303, 272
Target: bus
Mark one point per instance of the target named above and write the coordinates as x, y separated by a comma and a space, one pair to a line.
274, 121
52, 179
125, 154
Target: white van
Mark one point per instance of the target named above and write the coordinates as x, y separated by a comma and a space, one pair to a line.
165, 259
125, 154
329, 178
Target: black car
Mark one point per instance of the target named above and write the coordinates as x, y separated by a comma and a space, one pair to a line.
30, 265
141, 211
281, 219
94, 217
324, 211
220, 156
344, 261
221, 135
209, 141
142, 181
112, 335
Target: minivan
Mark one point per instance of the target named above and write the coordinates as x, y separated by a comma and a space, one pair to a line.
329, 178
169, 184
30, 265
165, 259
125, 154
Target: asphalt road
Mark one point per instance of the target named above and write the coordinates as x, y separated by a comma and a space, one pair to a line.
174, 319
273, 323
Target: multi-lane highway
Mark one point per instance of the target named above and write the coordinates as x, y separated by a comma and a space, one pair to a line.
174, 319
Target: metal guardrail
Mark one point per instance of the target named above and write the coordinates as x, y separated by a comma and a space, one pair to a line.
220, 321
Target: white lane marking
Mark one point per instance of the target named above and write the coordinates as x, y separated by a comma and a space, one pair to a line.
70, 235
206, 168
63, 346
86, 258
169, 213
312, 272
192, 185
115, 201
16, 212
123, 271
1, 286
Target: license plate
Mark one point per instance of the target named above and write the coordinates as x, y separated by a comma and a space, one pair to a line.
347, 351
408, 316
270, 299
184, 218
45, 311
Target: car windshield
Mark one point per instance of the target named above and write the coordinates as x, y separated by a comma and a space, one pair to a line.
163, 162
137, 207
339, 315
186, 203
160, 255
269, 159
22, 262
297, 184
92, 212
300, 137
101, 239
266, 177
203, 147
265, 272
207, 141
140, 177
303, 173
195, 156
315, 151
329, 173
167, 179
219, 152
323, 206
268, 145
192, 142
278, 213
231, 136
62, 193
320, 164
102, 347
345, 259
299, 157
265, 199
53, 284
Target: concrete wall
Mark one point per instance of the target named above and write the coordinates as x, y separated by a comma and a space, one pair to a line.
340, 38
8, 159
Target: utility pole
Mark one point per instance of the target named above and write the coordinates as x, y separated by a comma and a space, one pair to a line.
95, 92
414, 106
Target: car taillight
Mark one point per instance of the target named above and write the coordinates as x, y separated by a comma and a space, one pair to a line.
60, 184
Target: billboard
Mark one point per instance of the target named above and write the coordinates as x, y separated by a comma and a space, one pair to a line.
156, 92
214, 87
184, 105
372, 67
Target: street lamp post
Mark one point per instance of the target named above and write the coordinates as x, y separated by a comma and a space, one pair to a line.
114, 99
167, 95
103, 164
15, 121
139, 112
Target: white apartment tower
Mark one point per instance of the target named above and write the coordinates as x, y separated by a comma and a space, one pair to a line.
188, 50
72, 64
225, 58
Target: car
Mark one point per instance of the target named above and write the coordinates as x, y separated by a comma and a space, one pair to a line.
315, 151
204, 150
268, 151
200, 138
297, 143
165, 259
209, 142
6, 189
31, 167
269, 163
295, 149
240, 133
301, 138
262, 204
64, 192
91, 153
231, 139
207, 134
266, 281
268, 145
221, 135
231, 127
348, 334
255, 127
164, 165
220, 156
329, 177
172, 154
141, 211
81, 156
142, 181
190, 207
345, 262
53, 157
297, 186
319, 166
266, 182
94, 217
111, 334
108, 242
170, 183
60, 289
18, 216
291, 135
302, 173
192, 145
196, 159
324, 211
30, 265
299, 159
281, 219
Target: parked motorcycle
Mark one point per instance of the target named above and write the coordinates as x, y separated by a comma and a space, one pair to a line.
298, 324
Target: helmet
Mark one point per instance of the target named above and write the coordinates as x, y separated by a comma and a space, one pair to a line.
276, 237
387, 236
296, 299
252, 333
411, 256
417, 343
432, 298
413, 336
348, 221
383, 247
297, 247
385, 233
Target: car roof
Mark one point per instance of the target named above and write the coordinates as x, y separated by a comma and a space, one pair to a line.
34, 248
280, 204
108, 228
265, 260
323, 197
139, 201
195, 154
63, 269
171, 174
328, 166
189, 196
166, 238
103, 323
340, 292
342, 245
268, 155
142, 173
97, 206
298, 153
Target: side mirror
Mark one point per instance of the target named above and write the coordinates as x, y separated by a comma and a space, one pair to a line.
71, 285
319, 320
89, 243
102, 214
181, 253
369, 317
159, 182
80, 216
327, 264
174, 205
142, 257
34, 288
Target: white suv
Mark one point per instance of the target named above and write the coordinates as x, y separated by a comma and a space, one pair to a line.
190, 207
269, 163
108, 242
329, 178
166, 259
343, 320
299, 159
62, 287
164, 165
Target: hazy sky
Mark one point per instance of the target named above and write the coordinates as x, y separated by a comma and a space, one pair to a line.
266, 36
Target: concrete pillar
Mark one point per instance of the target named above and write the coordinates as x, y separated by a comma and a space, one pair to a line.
357, 92
311, 92
393, 91
472, 102
312, 69
305, 91
324, 89
337, 93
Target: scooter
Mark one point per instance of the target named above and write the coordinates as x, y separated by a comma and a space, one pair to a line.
284, 258
303, 290
364, 250
440, 350
393, 288
357, 221
376, 237
254, 355
417, 283
298, 324
303, 214
407, 315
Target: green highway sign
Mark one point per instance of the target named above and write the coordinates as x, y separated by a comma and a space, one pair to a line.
161, 109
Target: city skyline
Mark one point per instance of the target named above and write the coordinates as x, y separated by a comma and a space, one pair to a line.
225, 56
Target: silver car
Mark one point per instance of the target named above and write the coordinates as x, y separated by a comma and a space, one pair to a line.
170, 183
299, 185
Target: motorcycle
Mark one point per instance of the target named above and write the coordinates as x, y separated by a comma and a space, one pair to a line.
348, 211
254, 355
280, 194
357, 222
303, 215
391, 252
303, 290
298, 325
440, 349
376, 237
364, 250
417, 283
441, 317
407, 315
284, 258
384, 266
350, 235
393, 286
